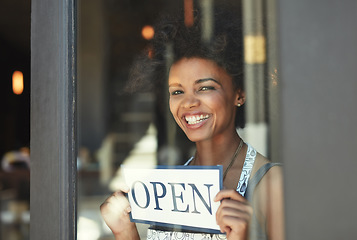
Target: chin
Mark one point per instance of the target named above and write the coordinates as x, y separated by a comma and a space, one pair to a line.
196, 137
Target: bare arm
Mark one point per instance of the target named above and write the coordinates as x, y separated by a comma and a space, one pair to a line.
271, 201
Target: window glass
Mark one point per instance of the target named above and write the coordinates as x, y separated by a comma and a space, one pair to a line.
116, 127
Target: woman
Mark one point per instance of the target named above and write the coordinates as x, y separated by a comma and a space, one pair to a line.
205, 83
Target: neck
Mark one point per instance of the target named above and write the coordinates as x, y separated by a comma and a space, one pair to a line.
217, 151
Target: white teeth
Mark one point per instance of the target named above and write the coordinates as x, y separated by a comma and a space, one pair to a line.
196, 119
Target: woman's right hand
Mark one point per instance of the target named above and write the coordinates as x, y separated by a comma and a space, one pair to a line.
115, 212
234, 214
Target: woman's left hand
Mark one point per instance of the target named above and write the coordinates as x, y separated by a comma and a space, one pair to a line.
233, 215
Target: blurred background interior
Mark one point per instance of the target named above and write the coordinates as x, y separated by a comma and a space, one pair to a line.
14, 118
114, 128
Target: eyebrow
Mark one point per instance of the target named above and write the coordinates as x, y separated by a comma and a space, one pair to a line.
198, 81
206, 80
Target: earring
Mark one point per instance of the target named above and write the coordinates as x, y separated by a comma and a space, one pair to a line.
238, 105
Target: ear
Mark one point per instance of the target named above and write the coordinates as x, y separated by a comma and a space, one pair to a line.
240, 97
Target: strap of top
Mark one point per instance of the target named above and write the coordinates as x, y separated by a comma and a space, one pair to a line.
188, 161
246, 170
256, 229
257, 178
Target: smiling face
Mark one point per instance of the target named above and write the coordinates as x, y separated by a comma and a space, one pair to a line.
203, 99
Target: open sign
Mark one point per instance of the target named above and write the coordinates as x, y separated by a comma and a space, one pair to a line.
180, 196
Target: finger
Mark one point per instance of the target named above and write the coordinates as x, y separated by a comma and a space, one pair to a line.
122, 190
232, 212
118, 194
225, 229
239, 226
229, 193
117, 202
107, 208
112, 213
234, 208
227, 202
123, 187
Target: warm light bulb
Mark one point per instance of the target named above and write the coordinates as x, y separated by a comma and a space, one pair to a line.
17, 82
148, 32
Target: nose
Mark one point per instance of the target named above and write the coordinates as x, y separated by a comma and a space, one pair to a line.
190, 101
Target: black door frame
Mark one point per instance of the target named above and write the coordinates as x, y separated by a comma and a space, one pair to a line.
53, 119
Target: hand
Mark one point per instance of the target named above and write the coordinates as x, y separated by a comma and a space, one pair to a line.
115, 212
233, 215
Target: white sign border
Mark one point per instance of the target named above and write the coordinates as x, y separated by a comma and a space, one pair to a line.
180, 227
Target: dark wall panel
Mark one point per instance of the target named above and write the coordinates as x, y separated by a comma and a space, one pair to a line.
319, 115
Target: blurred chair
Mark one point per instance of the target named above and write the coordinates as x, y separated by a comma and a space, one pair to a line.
15, 195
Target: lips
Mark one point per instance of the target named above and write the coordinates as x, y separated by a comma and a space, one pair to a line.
195, 119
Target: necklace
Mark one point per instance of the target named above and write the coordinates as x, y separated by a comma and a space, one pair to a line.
232, 160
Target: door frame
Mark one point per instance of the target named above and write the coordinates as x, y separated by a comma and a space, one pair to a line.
53, 119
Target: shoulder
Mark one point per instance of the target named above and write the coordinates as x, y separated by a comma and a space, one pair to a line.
268, 198
260, 161
268, 182
274, 172
272, 179
269, 202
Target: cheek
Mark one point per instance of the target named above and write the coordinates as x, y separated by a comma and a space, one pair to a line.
223, 107
174, 112
173, 107
217, 102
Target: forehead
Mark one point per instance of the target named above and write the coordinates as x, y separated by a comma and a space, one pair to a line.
196, 68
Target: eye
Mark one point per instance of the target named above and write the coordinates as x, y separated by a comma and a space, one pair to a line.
206, 88
176, 92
